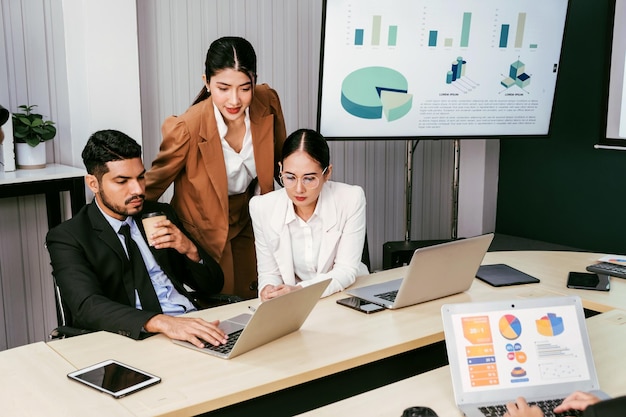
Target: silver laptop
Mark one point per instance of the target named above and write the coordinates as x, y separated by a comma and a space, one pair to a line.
272, 319
537, 348
434, 272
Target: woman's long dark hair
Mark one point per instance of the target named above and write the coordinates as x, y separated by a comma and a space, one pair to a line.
228, 52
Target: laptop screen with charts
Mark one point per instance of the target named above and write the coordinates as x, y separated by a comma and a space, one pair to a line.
537, 348
272, 319
434, 272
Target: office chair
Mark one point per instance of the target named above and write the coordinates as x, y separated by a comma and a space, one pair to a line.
64, 318
365, 257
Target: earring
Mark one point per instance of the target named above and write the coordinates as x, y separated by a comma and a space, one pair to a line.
208, 90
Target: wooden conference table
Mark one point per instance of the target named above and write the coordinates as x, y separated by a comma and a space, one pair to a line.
433, 389
33, 383
333, 339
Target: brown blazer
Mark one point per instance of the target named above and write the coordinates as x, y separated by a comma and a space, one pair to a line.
191, 156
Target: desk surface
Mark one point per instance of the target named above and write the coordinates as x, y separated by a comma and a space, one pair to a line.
433, 389
34, 382
552, 268
50, 172
194, 382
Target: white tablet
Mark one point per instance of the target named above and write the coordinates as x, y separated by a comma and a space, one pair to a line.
114, 378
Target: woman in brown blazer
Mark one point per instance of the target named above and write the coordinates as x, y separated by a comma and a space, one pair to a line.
219, 153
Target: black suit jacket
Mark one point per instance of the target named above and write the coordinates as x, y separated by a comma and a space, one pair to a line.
615, 407
95, 276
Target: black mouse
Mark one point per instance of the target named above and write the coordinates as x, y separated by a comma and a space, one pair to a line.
419, 412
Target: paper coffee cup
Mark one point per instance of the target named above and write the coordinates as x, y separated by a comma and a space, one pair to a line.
149, 221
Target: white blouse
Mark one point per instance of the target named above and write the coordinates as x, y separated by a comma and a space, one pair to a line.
240, 166
306, 239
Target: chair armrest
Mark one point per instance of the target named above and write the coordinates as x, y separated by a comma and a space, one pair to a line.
214, 300
62, 332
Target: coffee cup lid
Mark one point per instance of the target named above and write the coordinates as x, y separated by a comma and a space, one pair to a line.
153, 214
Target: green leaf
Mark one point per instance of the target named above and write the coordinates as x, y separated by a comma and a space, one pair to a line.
23, 120
20, 130
32, 141
49, 133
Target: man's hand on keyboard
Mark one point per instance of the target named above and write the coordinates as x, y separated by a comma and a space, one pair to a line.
193, 330
577, 401
520, 408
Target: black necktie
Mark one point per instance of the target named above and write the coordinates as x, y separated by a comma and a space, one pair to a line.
142, 282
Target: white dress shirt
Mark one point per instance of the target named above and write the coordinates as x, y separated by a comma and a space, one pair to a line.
172, 302
240, 166
306, 239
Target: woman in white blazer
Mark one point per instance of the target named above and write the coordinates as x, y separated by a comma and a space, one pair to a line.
313, 228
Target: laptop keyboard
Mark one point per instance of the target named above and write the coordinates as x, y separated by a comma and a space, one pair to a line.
546, 406
226, 347
389, 296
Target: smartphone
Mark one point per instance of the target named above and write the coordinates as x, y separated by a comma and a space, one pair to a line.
588, 281
114, 378
361, 305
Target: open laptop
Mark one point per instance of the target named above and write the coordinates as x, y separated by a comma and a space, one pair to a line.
537, 348
272, 319
434, 272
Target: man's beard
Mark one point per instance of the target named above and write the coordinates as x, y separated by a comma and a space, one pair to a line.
121, 210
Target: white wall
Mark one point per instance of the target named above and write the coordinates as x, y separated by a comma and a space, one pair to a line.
102, 61
82, 63
478, 186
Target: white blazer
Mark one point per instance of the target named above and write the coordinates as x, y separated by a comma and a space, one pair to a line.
342, 210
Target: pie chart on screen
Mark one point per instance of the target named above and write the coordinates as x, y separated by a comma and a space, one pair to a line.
374, 92
510, 327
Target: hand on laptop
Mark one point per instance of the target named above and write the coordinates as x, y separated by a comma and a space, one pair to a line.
193, 330
520, 408
272, 291
577, 401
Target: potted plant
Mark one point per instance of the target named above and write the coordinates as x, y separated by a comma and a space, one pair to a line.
29, 131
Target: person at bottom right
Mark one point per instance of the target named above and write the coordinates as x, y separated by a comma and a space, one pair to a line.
591, 406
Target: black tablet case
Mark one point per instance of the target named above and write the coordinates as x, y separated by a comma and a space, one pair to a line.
500, 275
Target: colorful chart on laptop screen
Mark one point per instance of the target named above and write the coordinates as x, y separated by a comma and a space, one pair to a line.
510, 327
550, 325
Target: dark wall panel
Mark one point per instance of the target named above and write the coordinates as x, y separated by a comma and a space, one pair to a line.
561, 189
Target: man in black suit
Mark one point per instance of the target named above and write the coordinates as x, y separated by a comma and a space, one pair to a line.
92, 268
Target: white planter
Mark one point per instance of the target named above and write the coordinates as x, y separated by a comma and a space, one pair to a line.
28, 157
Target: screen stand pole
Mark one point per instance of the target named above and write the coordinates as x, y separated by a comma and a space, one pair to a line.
408, 189
455, 189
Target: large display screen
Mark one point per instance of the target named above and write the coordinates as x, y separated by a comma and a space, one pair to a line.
439, 68
615, 134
